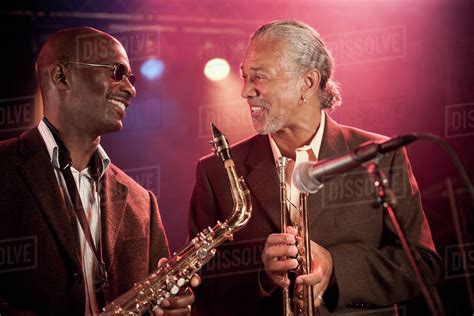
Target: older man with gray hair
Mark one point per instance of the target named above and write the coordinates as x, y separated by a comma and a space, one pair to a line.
357, 262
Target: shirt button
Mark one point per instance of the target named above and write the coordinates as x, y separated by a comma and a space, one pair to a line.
77, 278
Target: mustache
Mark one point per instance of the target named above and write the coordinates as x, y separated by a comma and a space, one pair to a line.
122, 96
260, 104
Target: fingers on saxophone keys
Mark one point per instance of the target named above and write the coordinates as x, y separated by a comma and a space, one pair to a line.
195, 280
177, 305
157, 311
186, 310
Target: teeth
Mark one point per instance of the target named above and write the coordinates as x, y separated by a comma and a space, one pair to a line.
118, 103
256, 108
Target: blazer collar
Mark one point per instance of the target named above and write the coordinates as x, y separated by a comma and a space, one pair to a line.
40, 177
333, 144
262, 175
113, 200
262, 178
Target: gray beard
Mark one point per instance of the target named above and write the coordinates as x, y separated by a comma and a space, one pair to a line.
271, 125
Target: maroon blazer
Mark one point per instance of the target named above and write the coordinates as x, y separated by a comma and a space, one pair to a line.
370, 266
43, 273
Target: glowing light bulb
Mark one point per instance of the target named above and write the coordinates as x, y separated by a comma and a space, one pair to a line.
216, 69
152, 68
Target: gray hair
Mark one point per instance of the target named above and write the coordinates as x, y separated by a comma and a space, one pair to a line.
309, 51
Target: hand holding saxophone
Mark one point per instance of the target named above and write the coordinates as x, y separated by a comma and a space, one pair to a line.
172, 277
180, 304
279, 257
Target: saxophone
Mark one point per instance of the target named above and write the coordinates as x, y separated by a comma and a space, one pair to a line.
173, 276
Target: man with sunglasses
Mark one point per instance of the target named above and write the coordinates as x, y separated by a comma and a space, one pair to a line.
91, 231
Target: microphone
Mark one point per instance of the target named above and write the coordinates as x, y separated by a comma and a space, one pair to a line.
309, 176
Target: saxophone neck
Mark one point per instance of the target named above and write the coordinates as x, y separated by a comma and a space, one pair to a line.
242, 210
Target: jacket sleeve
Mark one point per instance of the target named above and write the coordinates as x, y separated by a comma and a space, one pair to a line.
387, 274
203, 210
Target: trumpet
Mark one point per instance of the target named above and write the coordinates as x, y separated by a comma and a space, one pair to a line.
296, 303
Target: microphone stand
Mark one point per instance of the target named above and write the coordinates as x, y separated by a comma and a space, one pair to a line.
386, 198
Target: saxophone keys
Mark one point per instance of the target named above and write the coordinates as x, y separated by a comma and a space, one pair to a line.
181, 282
159, 301
174, 290
172, 286
202, 253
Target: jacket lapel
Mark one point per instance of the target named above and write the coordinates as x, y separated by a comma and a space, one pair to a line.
40, 177
113, 206
333, 144
262, 178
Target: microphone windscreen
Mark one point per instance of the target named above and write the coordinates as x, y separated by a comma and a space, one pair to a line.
302, 179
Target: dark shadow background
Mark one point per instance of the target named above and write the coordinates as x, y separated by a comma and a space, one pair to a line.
404, 66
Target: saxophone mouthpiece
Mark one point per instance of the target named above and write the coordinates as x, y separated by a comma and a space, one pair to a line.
220, 144
215, 131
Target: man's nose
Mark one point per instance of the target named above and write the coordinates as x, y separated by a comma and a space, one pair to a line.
248, 90
127, 87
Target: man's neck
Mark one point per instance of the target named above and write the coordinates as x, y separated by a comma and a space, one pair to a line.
81, 146
81, 150
289, 139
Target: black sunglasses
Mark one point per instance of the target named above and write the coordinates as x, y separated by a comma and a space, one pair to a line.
119, 71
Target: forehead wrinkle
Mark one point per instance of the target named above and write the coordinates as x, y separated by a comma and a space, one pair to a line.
264, 54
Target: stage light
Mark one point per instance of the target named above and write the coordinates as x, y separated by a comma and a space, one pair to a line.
217, 69
152, 68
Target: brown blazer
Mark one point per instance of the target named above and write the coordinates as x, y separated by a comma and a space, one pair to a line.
47, 279
370, 266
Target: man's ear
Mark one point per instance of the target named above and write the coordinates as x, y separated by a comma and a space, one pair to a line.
311, 80
59, 75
